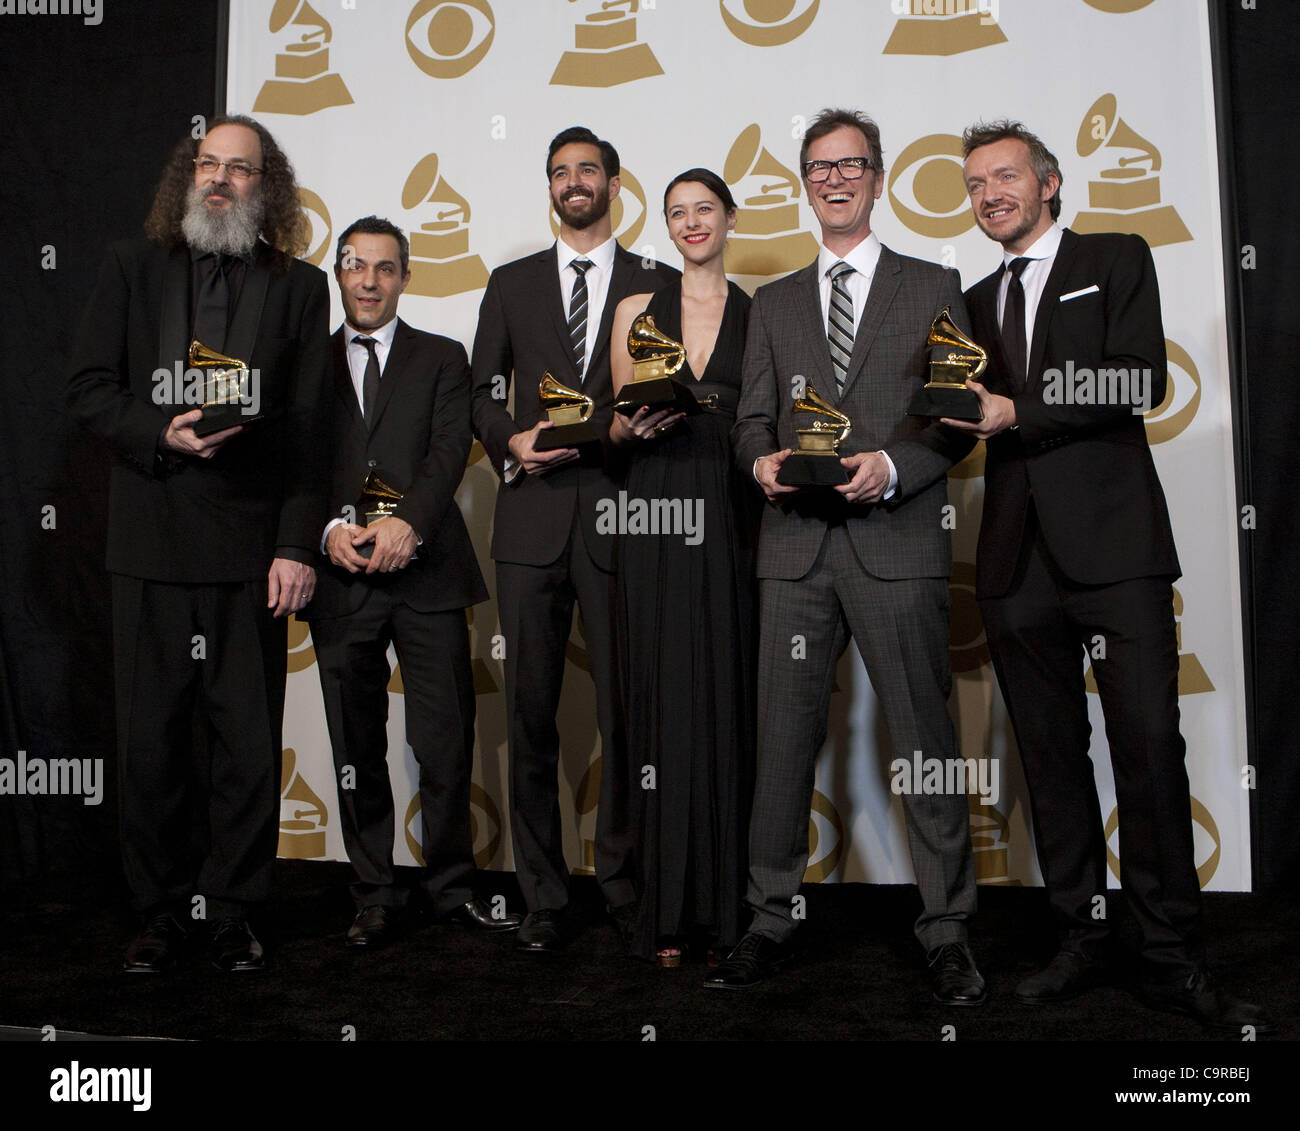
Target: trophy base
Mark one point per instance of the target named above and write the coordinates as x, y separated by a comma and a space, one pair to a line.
656, 394
945, 400
803, 469
217, 417
568, 436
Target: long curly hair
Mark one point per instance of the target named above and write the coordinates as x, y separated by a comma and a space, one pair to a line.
285, 226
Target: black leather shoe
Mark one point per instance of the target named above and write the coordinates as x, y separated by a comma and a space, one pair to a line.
235, 949
953, 976
1069, 974
374, 925
1197, 996
754, 958
542, 932
156, 948
475, 913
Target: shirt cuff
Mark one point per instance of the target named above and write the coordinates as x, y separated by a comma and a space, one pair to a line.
511, 470
326, 536
893, 478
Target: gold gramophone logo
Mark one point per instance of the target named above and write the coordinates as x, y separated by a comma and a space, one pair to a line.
1192, 677
825, 839
301, 653
768, 23
446, 38
767, 239
627, 211
1126, 198
968, 647
930, 172
303, 82
1207, 861
1173, 414
605, 49
441, 262
943, 27
303, 815
990, 840
318, 216
485, 827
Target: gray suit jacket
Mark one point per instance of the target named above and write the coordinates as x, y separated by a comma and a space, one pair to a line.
904, 537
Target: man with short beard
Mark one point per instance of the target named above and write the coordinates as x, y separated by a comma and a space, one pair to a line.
212, 538
552, 311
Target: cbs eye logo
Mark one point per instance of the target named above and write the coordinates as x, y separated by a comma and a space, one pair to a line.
929, 171
319, 218
1208, 843
768, 23
301, 653
484, 827
446, 38
1117, 6
1182, 397
825, 839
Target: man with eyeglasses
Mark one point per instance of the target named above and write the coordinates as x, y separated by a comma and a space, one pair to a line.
868, 559
213, 535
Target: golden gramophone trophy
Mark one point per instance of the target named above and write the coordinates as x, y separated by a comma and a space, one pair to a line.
378, 501
655, 358
815, 462
227, 397
570, 414
945, 394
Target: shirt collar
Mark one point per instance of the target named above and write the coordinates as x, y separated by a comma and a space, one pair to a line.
862, 258
1045, 247
602, 256
384, 335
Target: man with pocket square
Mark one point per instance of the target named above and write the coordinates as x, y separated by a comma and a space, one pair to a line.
1075, 551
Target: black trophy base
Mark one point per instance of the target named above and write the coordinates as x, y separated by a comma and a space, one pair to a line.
221, 416
945, 400
584, 436
802, 469
657, 394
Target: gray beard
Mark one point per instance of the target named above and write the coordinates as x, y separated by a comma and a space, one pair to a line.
232, 231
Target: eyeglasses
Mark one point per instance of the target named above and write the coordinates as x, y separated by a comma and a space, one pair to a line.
850, 168
239, 170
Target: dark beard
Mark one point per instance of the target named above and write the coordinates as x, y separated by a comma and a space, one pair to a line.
232, 231
596, 212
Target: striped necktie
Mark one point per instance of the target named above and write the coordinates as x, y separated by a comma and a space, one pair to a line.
839, 331
578, 314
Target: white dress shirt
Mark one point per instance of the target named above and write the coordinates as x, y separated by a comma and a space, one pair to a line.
598, 276
1041, 255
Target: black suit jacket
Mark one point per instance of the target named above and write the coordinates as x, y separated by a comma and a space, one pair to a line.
1099, 501
419, 442
523, 330
262, 494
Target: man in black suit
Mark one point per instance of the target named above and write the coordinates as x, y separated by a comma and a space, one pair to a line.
212, 539
868, 558
552, 312
401, 411
1076, 552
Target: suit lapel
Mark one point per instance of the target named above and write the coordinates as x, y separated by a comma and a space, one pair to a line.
983, 307
1050, 300
884, 286
398, 354
174, 317
242, 335
620, 286
547, 266
808, 311
343, 387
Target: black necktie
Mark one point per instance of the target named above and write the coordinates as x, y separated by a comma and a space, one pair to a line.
1013, 323
212, 314
369, 382
578, 313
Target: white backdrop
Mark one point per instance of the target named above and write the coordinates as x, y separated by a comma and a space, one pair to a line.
437, 114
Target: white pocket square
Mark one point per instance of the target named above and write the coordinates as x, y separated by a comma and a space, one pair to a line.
1079, 294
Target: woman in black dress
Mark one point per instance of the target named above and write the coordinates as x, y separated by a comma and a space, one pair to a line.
686, 599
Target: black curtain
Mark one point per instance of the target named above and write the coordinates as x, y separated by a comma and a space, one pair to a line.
1256, 60
89, 113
